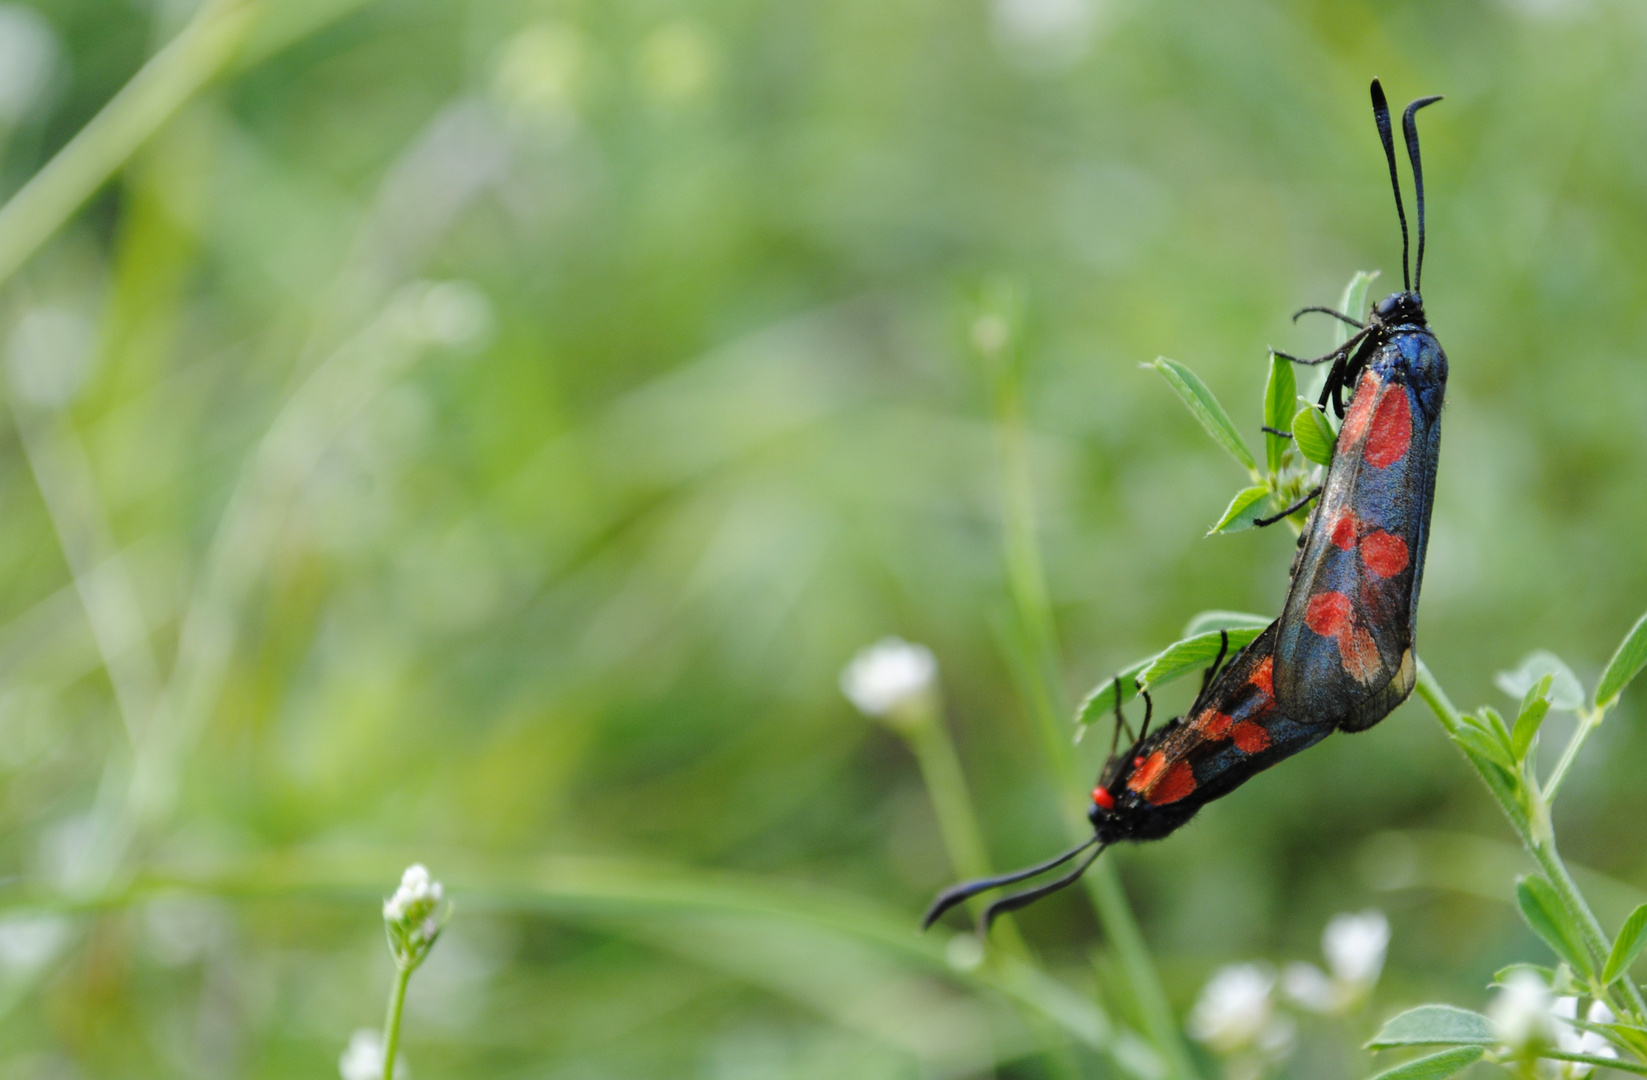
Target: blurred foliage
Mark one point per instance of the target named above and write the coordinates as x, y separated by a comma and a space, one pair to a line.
479, 433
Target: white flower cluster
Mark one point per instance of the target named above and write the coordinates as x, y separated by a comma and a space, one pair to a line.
892, 680
414, 915
363, 1059
1237, 1017
1528, 1020
1354, 945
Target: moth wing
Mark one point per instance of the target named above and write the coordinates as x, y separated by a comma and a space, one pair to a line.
1345, 637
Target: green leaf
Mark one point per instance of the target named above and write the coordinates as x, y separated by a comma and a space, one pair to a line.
1625, 665
1534, 707
1353, 303
1314, 436
1483, 743
1101, 701
1566, 692
1195, 394
1493, 724
1433, 1025
1248, 506
1436, 1066
1214, 621
1631, 938
1278, 405
1192, 654
1189, 654
1505, 783
1502, 975
1543, 910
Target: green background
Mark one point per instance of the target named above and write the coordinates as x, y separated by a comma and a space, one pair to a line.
556, 562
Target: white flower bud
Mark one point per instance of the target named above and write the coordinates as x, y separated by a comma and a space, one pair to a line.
1521, 1013
1355, 945
1577, 1041
414, 915
1233, 1011
892, 679
363, 1059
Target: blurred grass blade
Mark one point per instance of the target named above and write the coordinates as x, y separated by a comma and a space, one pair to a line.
1194, 393
1502, 975
1436, 1066
1566, 692
1625, 665
1314, 436
1353, 303
1192, 654
1247, 507
1534, 707
1543, 910
1631, 938
196, 55
1435, 1025
1278, 408
1213, 621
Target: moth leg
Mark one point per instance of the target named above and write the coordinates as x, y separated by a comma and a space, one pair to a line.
1275, 431
1334, 312
1289, 511
1337, 354
1149, 711
1223, 649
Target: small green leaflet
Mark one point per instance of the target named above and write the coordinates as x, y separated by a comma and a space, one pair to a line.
1628, 946
1278, 405
1214, 621
1247, 507
1566, 692
1195, 394
1314, 436
1625, 665
1353, 304
1542, 909
1193, 652
1436, 1066
1433, 1025
1534, 706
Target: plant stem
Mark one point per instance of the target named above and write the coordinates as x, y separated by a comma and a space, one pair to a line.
1541, 847
153, 95
945, 783
1588, 721
1038, 641
391, 1023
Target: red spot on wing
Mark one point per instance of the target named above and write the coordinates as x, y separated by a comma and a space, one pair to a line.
1392, 430
1261, 676
1178, 782
1250, 737
1213, 724
1345, 528
1330, 615
1103, 798
1367, 393
1385, 554
1359, 653
1327, 613
1145, 774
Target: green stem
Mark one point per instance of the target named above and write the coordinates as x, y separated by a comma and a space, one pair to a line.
391, 1023
946, 786
1541, 847
1038, 639
1593, 1059
1588, 721
153, 96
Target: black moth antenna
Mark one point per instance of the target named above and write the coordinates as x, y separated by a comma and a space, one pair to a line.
1409, 128
956, 894
1381, 114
